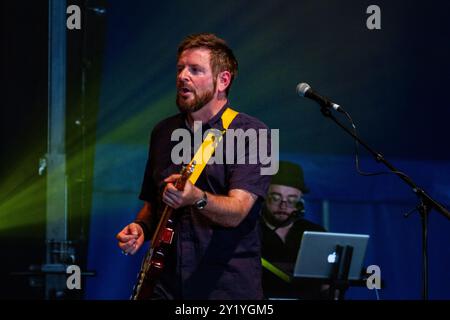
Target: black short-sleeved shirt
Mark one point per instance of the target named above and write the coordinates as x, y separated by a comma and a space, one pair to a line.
208, 261
283, 255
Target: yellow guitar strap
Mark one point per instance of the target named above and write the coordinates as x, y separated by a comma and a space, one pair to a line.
206, 150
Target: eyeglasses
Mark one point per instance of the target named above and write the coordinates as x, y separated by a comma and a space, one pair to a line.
276, 198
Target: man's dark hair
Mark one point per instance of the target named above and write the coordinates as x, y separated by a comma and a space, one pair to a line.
222, 57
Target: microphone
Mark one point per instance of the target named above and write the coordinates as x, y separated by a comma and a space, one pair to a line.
305, 90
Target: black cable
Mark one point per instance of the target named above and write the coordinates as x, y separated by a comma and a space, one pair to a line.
357, 154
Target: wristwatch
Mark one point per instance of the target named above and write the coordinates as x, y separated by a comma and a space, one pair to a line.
200, 204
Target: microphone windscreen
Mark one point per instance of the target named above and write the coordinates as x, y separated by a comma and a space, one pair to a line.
302, 88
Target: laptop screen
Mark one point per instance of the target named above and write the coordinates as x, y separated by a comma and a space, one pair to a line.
317, 254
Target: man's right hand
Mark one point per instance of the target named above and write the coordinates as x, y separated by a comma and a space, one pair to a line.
131, 238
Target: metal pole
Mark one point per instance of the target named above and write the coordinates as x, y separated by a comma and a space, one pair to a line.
57, 220
326, 214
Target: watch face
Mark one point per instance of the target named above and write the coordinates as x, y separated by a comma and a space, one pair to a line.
201, 203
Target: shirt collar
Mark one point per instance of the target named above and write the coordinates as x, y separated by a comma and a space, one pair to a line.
216, 121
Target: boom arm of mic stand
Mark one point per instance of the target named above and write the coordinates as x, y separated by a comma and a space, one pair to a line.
425, 198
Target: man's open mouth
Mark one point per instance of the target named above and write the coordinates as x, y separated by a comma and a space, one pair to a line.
184, 91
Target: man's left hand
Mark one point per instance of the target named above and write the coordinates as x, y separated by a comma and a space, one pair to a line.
178, 199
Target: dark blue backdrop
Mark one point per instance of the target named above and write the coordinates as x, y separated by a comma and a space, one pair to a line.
392, 81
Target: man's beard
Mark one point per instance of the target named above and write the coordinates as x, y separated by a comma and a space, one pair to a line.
276, 221
198, 102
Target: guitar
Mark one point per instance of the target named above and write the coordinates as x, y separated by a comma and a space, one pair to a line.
153, 263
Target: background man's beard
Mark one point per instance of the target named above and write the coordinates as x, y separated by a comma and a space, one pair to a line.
196, 103
274, 220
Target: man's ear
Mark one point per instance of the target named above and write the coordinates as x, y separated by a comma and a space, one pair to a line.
223, 80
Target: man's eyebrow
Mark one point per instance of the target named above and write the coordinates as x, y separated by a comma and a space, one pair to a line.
194, 65
279, 193
189, 64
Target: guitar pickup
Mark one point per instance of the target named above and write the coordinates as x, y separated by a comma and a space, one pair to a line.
167, 236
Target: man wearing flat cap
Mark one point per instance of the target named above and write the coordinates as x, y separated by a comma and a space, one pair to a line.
282, 227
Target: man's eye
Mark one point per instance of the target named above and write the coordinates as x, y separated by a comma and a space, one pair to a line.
275, 197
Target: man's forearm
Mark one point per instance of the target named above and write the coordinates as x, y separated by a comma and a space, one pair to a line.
145, 213
143, 218
227, 211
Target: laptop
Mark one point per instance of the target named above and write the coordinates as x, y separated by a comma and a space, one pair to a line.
317, 254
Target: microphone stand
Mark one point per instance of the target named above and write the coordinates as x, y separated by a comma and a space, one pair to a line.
426, 202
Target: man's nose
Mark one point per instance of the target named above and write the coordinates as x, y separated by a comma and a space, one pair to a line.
283, 204
183, 74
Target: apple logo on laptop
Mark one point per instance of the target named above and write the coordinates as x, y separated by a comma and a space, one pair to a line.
332, 257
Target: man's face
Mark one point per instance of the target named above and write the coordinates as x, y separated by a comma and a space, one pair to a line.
281, 201
196, 85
